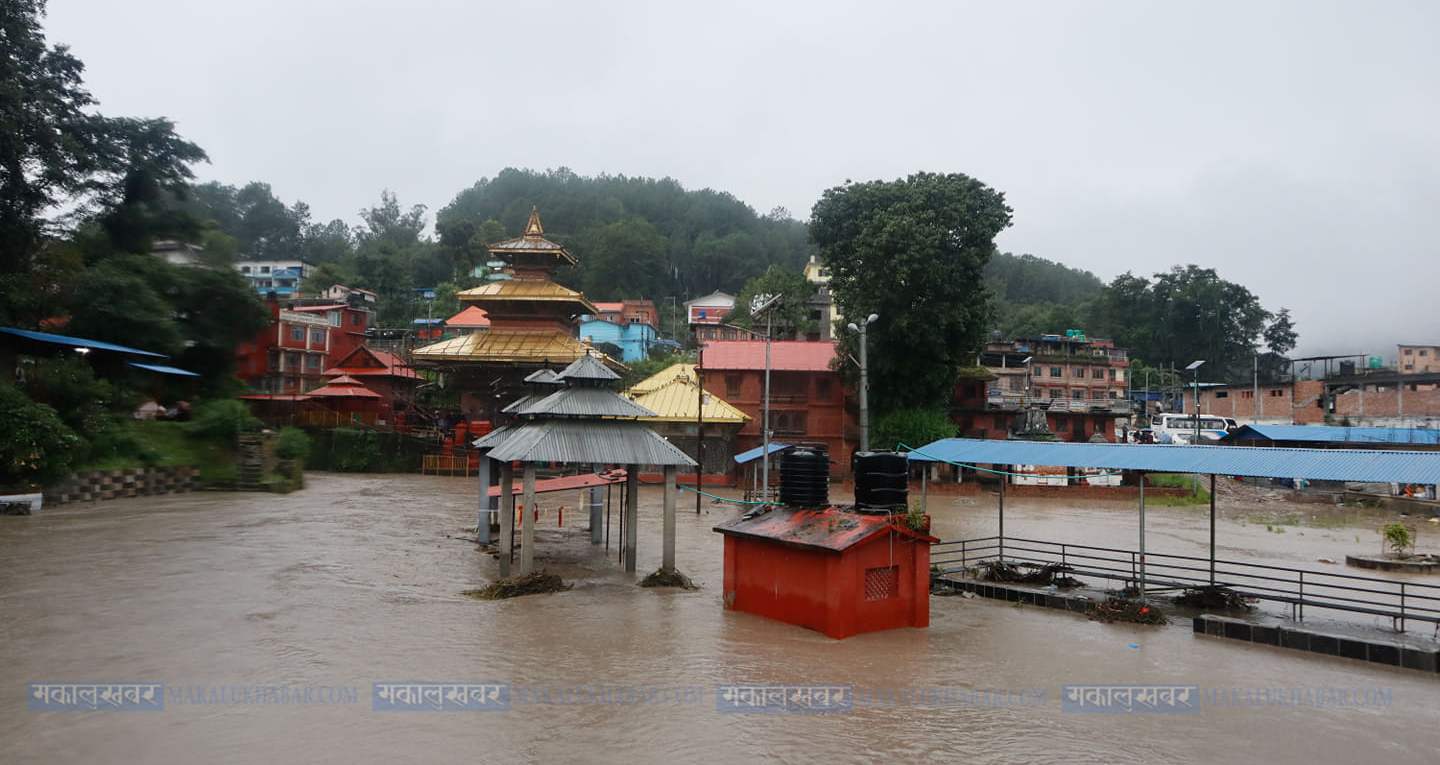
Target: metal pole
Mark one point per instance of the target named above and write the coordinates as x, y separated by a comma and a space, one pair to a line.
1212, 529
699, 423
1003, 479
864, 391
1259, 407
507, 517
1197, 408
482, 521
632, 513
1142, 536
667, 547
765, 416
527, 521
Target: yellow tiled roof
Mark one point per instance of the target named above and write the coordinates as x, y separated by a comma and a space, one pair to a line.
671, 395
525, 289
510, 345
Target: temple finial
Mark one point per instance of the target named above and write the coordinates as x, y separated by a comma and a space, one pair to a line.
533, 228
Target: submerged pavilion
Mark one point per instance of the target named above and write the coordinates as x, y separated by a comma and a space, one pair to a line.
580, 422
533, 325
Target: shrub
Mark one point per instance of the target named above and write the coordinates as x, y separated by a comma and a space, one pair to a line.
36, 447
68, 385
292, 444
356, 451
913, 427
222, 419
1398, 538
119, 439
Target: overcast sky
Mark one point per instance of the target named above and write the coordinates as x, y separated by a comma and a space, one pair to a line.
1294, 147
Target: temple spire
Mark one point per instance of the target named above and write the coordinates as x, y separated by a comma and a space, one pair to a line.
533, 228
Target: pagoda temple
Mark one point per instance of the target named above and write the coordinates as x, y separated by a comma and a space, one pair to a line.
533, 325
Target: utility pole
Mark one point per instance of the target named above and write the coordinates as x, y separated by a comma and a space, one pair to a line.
699, 423
1259, 410
765, 304
1195, 367
864, 380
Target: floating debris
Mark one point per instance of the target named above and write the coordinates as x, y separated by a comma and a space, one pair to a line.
663, 578
530, 584
1215, 597
1029, 573
1122, 610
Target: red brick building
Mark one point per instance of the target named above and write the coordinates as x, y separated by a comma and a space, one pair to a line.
624, 312
350, 324
290, 355
807, 398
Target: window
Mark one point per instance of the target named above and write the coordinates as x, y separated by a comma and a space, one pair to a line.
1409, 352
1424, 352
732, 386
822, 388
1055, 393
312, 361
354, 319
264, 269
1055, 371
1409, 366
335, 318
1222, 394
882, 583
788, 423
317, 337
1077, 394
292, 361
1243, 394
297, 333
789, 385
1098, 373
1112, 373
246, 270
1277, 393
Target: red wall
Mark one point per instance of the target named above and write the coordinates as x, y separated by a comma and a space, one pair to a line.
825, 591
827, 420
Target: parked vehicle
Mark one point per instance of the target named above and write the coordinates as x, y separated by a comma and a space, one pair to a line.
1180, 428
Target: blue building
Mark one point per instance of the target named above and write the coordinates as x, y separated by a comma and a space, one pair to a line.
281, 277
634, 340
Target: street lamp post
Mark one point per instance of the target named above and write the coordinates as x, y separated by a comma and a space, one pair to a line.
764, 304
1195, 367
864, 381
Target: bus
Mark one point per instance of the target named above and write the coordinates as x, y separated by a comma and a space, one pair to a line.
1180, 428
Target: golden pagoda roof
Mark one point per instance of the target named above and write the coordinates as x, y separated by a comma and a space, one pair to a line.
512, 346
535, 290
671, 395
533, 241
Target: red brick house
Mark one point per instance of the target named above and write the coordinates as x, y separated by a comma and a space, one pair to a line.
290, 355
807, 397
350, 324
624, 312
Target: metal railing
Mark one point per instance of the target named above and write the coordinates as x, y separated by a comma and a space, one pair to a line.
1296, 588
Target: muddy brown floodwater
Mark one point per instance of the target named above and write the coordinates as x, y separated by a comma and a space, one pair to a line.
356, 580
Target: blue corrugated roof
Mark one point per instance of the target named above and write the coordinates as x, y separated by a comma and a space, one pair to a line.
77, 342
164, 370
1380, 466
1336, 434
754, 454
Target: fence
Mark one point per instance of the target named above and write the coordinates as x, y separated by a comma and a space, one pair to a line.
450, 464
1296, 588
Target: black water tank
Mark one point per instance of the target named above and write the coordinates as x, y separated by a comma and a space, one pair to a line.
805, 477
882, 479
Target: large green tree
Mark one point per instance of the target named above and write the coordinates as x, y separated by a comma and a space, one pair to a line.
912, 251
791, 315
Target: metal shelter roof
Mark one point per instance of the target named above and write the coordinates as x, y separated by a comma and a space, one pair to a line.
77, 342
583, 402
1334, 434
544, 377
164, 370
587, 367
1380, 466
754, 454
672, 395
611, 442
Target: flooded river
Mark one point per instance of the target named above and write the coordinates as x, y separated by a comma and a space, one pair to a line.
356, 580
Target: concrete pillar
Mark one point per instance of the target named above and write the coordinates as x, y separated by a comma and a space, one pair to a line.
507, 516
597, 511
667, 557
482, 520
527, 522
632, 513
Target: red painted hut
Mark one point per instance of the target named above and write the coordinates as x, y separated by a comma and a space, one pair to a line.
832, 570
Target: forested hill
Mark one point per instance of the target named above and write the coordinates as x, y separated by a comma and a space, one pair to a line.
634, 237
1033, 295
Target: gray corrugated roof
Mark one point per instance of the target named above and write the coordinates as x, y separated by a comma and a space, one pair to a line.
608, 442
1378, 466
522, 402
588, 367
584, 402
491, 439
544, 377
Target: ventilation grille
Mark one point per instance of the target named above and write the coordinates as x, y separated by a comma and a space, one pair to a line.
882, 583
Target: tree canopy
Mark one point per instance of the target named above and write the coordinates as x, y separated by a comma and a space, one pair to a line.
913, 251
791, 316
